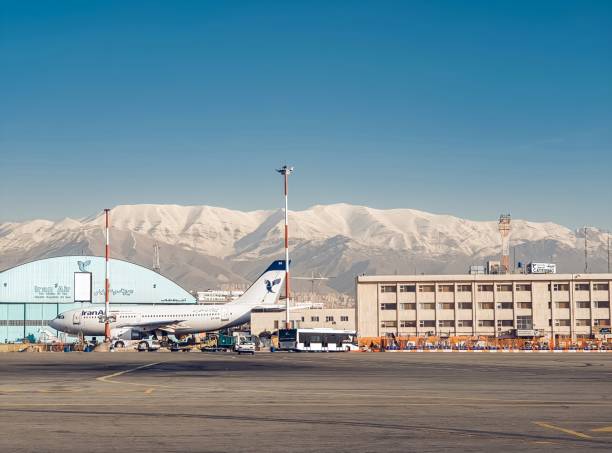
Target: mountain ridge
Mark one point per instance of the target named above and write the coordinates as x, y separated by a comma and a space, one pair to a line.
205, 246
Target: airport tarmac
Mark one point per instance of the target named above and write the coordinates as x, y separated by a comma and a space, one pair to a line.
305, 402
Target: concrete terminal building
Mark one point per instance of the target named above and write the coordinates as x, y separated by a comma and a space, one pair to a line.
568, 306
266, 320
34, 293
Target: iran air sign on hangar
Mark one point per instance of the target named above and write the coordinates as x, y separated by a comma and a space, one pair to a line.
52, 280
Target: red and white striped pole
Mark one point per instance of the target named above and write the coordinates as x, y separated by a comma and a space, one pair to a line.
107, 329
286, 171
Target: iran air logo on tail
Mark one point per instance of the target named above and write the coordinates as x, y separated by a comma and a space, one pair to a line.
271, 284
83, 265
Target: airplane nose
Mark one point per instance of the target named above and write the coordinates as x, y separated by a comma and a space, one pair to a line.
54, 324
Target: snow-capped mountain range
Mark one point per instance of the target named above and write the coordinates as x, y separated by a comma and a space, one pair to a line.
204, 246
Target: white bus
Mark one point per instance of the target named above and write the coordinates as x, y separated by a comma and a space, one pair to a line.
320, 340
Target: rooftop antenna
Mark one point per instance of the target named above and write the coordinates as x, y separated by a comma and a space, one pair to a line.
586, 253
504, 231
286, 171
608, 251
156, 266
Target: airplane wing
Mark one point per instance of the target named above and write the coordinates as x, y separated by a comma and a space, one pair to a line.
169, 326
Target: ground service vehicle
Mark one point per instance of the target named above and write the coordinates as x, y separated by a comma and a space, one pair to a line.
148, 344
245, 346
322, 340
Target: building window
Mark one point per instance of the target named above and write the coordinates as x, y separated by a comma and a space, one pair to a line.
446, 323
485, 288
583, 322
388, 324
505, 288
505, 323
562, 322
486, 323
463, 288
314, 319
582, 287
562, 304
486, 305
388, 306
388, 289
430, 306
407, 323
464, 323
446, 288
601, 322
582, 304
446, 306
523, 305
407, 288
561, 287
426, 288
464, 305
523, 286
523, 322
427, 323
329, 319
408, 306
505, 306
601, 304
276, 324
600, 287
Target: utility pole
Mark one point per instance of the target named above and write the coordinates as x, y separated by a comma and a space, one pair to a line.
107, 330
286, 171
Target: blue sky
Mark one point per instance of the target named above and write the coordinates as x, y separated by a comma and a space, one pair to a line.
467, 108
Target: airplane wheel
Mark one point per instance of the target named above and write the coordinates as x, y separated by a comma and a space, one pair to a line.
120, 345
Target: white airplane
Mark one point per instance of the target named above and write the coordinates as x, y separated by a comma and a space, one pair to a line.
139, 321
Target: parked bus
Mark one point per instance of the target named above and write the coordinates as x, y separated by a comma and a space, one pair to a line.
321, 340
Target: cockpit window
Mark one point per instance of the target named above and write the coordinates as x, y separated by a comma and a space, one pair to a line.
60, 316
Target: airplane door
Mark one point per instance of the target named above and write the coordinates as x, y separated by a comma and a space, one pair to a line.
76, 318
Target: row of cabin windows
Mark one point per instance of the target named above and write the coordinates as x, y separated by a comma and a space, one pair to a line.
486, 287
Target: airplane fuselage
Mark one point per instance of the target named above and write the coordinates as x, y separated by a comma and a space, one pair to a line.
186, 319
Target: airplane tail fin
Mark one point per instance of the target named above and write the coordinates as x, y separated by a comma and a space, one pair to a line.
266, 289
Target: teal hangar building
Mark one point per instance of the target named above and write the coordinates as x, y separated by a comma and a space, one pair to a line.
34, 293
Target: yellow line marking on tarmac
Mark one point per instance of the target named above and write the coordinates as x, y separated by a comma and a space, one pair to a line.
108, 378
149, 390
564, 430
605, 429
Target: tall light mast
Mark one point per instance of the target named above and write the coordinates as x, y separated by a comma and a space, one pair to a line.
286, 171
107, 330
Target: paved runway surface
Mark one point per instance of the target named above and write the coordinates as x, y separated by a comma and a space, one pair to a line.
305, 402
